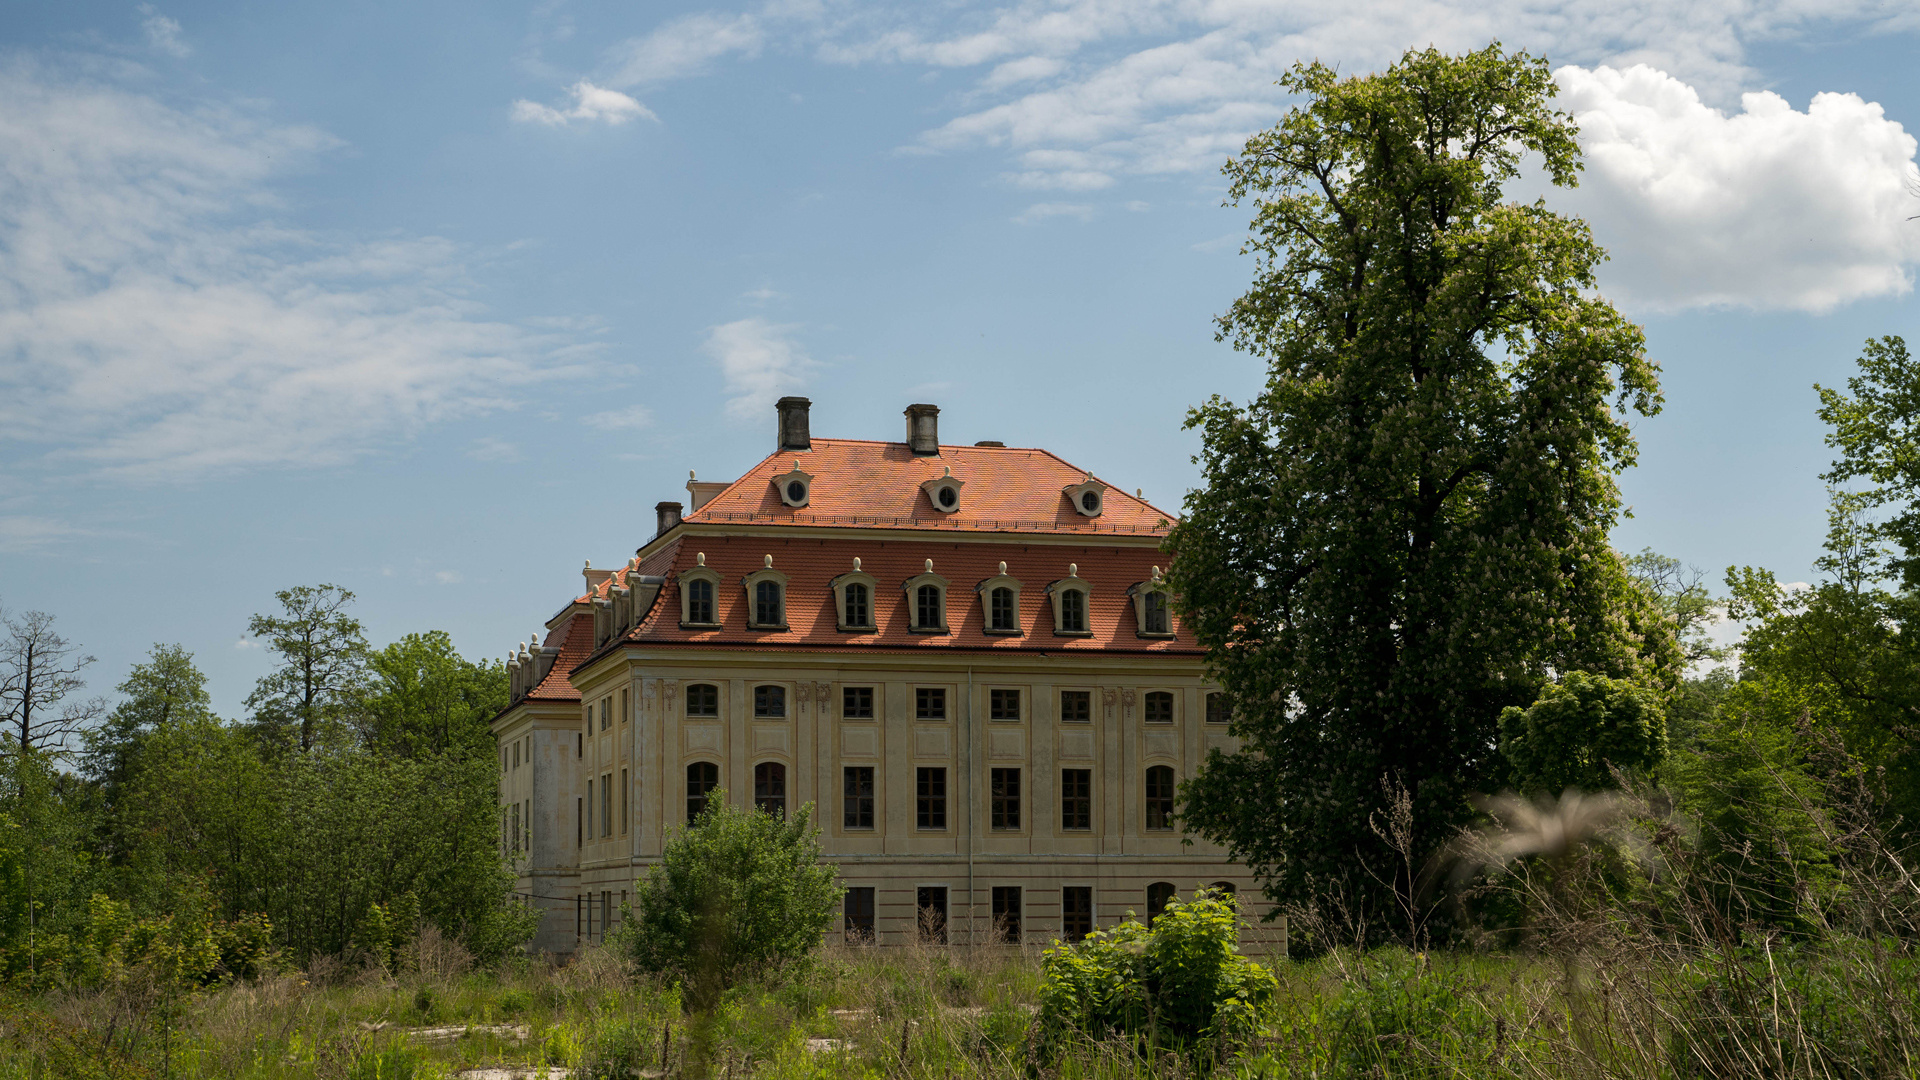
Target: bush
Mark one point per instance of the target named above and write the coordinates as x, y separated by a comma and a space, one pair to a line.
1178, 983
1401, 1018
739, 891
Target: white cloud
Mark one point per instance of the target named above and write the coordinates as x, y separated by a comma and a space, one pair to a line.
633, 416
590, 103
157, 322
488, 448
684, 47
759, 362
1039, 212
1767, 207
163, 33
20, 533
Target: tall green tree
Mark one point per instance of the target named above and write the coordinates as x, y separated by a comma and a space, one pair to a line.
165, 689
1406, 531
425, 699
323, 657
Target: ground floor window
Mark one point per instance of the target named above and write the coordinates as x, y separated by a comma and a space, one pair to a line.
931, 902
1076, 912
858, 907
1159, 894
1006, 914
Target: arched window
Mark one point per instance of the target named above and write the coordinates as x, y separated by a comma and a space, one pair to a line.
1073, 611
1159, 895
770, 788
1159, 798
1225, 890
768, 610
1159, 707
769, 701
1003, 610
703, 699
700, 601
928, 612
859, 605
702, 777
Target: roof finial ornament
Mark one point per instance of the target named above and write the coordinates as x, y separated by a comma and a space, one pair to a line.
700, 558
1003, 568
689, 474
856, 564
1156, 573
1139, 494
929, 566
946, 470
1073, 569
767, 561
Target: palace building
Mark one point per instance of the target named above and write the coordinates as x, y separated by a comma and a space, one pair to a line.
962, 656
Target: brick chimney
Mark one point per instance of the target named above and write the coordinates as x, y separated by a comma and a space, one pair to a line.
923, 429
667, 514
793, 433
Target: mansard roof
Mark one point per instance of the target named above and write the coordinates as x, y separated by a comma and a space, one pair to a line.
574, 637
859, 483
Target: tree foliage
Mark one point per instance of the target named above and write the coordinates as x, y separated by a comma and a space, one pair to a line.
1579, 731
1406, 530
323, 655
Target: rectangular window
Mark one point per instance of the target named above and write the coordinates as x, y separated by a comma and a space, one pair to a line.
700, 602
516, 753
1157, 622
769, 701
527, 823
856, 703
1076, 798
767, 608
1003, 704
624, 809
931, 900
1004, 614
930, 703
606, 712
703, 699
606, 804
1076, 912
516, 828
589, 806
930, 798
1005, 789
1159, 707
1076, 706
857, 797
624, 705
1159, 798
927, 608
1073, 611
579, 822
857, 613
1006, 914
1218, 710
858, 907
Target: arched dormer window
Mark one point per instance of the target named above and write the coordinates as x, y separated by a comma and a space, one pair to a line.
1088, 497
766, 598
927, 602
853, 595
943, 492
795, 486
999, 603
1070, 596
1153, 615
699, 595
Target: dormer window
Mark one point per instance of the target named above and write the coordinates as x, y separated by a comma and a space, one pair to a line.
927, 601
853, 595
1000, 603
766, 598
795, 486
943, 491
699, 594
1151, 610
1070, 603
1088, 497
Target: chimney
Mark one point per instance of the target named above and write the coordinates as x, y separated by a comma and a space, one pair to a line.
923, 429
793, 424
667, 514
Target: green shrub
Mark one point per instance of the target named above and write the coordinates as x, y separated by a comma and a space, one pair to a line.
515, 1002
1402, 1018
736, 892
1170, 986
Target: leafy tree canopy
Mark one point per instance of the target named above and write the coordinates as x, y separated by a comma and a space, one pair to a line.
424, 698
323, 654
1580, 730
1406, 530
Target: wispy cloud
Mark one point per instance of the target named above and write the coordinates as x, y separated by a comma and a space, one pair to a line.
20, 533
590, 103
1039, 212
627, 419
163, 34
162, 324
685, 46
759, 361
489, 448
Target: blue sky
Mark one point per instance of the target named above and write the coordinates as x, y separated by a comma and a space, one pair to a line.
435, 301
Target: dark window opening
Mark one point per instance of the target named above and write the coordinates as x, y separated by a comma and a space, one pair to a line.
703, 699
1002, 614
931, 902
930, 703
700, 601
1076, 706
1159, 707
770, 788
859, 608
856, 703
769, 701
949, 497
1005, 801
1076, 912
767, 609
702, 777
930, 798
1159, 798
1003, 704
1157, 620
796, 491
856, 795
1073, 611
1006, 914
1089, 501
1159, 895
1219, 709
927, 611
1076, 798
858, 907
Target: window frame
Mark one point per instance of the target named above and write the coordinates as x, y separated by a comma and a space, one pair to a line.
1086, 696
686, 702
937, 933
1159, 895
929, 804
839, 587
997, 698
683, 583
1004, 928
1142, 594
1159, 805
921, 697
859, 801
985, 591
1003, 799
767, 777
1166, 697
1225, 707
1072, 929
911, 587
872, 703
1057, 592
758, 699
705, 793
766, 575
1076, 800
858, 927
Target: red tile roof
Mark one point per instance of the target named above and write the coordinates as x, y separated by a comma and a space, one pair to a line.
575, 639
863, 484
812, 563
